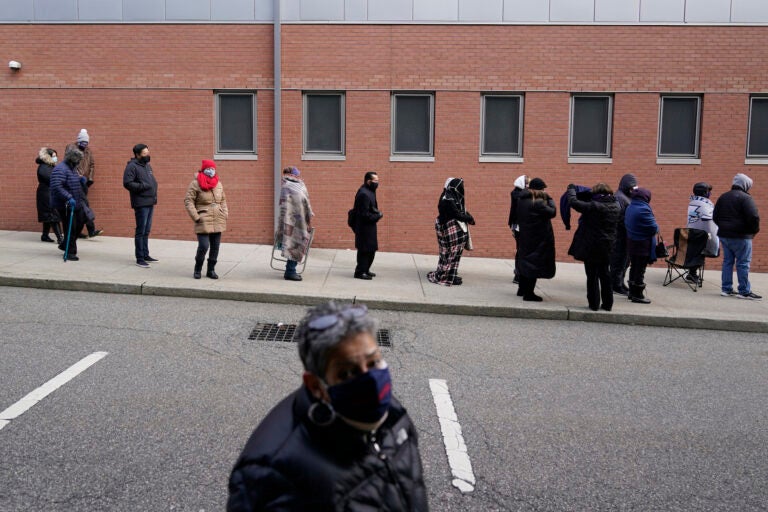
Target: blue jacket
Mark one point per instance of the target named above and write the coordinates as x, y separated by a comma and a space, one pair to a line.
582, 193
65, 184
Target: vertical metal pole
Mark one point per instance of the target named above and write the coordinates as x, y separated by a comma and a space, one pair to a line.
277, 80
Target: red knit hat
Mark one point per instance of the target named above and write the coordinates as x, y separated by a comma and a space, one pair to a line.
208, 164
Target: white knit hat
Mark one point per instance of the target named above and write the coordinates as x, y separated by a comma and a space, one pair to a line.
83, 136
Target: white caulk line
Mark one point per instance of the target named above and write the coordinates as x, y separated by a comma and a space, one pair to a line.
458, 458
49, 387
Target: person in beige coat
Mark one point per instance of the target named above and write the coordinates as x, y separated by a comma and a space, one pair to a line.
207, 205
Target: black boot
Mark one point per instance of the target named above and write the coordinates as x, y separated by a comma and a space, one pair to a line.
210, 272
198, 269
636, 294
57, 232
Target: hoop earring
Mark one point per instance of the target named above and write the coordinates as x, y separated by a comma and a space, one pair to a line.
321, 414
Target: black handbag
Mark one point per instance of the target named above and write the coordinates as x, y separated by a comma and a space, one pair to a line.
661, 249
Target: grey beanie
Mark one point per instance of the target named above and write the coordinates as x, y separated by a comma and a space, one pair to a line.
83, 136
742, 181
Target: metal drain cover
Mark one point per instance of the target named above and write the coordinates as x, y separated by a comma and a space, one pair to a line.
284, 333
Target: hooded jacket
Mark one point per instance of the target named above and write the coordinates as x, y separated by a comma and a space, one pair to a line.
45, 165
536, 241
451, 204
735, 212
641, 225
292, 464
140, 182
596, 233
514, 197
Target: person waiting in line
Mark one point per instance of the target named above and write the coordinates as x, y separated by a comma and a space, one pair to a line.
366, 217
339, 442
46, 214
294, 226
452, 232
594, 239
619, 256
87, 170
536, 241
521, 183
641, 242
141, 184
67, 198
700, 210
206, 204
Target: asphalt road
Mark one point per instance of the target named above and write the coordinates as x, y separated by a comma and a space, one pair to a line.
555, 415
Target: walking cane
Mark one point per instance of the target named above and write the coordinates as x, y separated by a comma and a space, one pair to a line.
69, 231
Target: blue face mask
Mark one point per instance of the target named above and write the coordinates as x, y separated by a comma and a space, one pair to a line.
365, 398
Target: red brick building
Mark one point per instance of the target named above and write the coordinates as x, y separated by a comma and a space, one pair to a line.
588, 101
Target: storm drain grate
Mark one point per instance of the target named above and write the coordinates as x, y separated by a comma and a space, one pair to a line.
273, 332
284, 333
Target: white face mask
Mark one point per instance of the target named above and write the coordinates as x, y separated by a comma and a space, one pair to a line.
55, 158
210, 172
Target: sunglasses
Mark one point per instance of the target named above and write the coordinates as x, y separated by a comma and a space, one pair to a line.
324, 322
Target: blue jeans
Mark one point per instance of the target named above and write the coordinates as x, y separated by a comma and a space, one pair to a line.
143, 227
290, 267
740, 251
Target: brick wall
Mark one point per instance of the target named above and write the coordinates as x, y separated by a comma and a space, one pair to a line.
154, 83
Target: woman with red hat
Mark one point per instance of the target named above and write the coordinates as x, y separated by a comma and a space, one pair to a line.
207, 205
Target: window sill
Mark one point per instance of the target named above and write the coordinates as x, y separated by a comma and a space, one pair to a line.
320, 156
228, 156
678, 161
756, 161
501, 159
411, 158
590, 160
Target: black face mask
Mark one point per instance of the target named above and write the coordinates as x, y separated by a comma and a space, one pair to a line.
373, 185
144, 159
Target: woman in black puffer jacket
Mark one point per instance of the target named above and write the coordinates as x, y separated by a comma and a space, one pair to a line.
536, 241
594, 239
341, 441
46, 160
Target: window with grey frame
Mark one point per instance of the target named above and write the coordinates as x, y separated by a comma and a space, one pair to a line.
324, 123
591, 125
757, 138
413, 116
502, 125
236, 123
679, 126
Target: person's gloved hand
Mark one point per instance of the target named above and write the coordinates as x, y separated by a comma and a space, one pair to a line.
471, 220
571, 185
83, 180
72, 203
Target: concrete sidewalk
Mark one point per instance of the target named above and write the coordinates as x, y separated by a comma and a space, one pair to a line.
107, 265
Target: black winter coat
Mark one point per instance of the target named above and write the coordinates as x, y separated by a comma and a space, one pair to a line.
141, 183
367, 214
45, 212
536, 241
291, 464
736, 215
596, 234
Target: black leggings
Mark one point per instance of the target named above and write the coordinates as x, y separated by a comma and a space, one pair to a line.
204, 241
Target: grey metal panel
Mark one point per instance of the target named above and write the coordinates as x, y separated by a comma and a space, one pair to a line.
747, 11
290, 10
356, 10
662, 10
572, 10
16, 10
390, 10
704, 11
322, 10
143, 10
265, 10
55, 10
481, 10
617, 10
526, 10
100, 10
436, 10
232, 10
187, 10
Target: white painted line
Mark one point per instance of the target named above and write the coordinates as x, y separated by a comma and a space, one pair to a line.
458, 458
23, 405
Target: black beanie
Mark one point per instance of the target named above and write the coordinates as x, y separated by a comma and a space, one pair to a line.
537, 184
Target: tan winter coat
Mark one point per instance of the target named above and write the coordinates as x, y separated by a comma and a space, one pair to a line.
208, 208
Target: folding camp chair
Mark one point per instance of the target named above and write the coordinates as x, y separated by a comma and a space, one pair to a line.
277, 261
687, 254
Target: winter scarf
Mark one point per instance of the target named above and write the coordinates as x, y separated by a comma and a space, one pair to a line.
207, 183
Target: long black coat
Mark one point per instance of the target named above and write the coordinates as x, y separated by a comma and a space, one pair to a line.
596, 234
291, 464
366, 216
45, 213
536, 241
